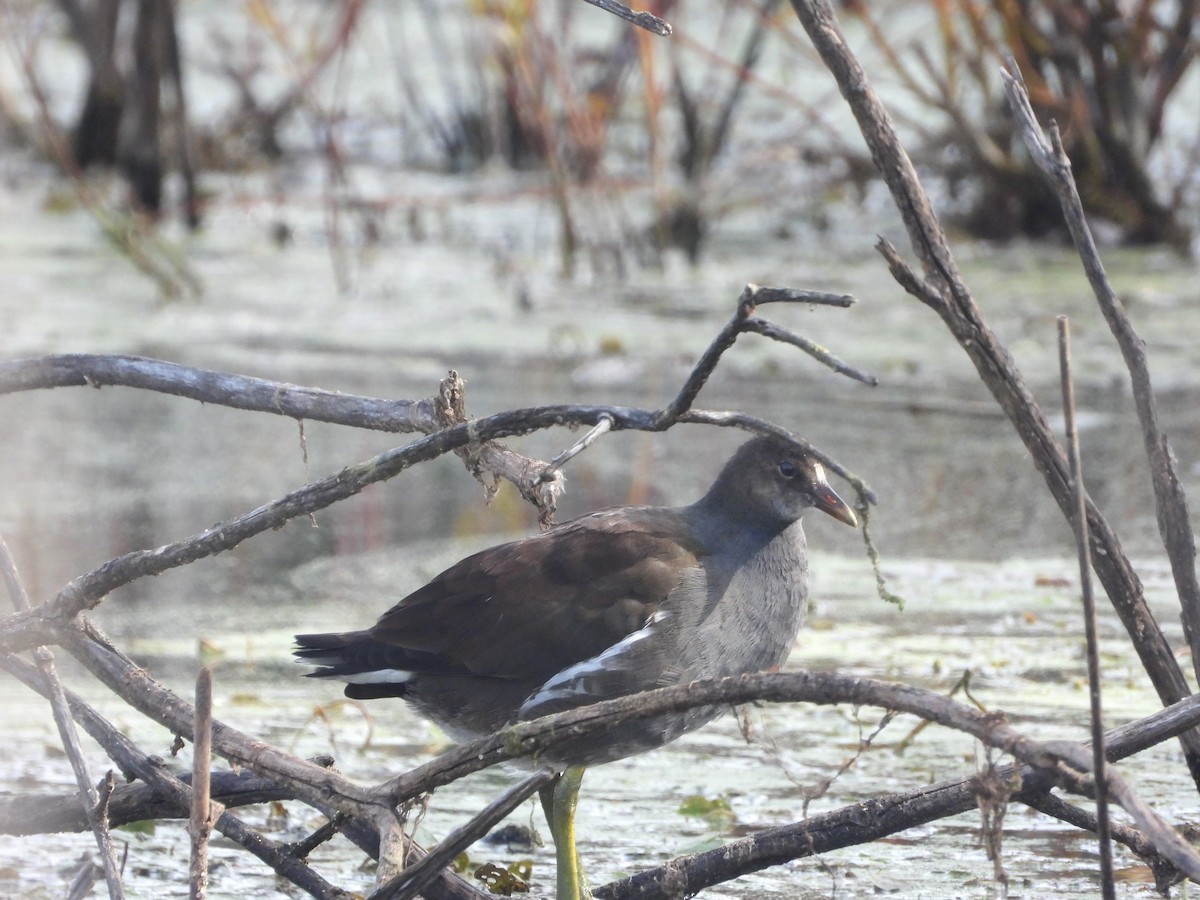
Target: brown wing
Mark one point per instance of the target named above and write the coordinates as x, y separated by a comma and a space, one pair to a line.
529, 609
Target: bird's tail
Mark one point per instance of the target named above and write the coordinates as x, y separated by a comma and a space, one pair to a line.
370, 668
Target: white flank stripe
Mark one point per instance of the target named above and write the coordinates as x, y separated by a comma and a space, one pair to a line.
379, 676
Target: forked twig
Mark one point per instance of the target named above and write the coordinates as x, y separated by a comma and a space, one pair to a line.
752, 296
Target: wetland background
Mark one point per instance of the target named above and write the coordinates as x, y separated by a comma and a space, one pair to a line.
368, 258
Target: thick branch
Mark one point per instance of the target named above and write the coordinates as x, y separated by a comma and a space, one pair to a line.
880, 817
1066, 763
219, 388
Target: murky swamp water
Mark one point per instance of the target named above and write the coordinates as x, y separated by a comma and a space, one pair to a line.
92, 474
967, 534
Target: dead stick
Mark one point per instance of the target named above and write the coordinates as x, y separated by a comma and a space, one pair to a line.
68, 734
944, 289
644, 20
410, 882
203, 812
1170, 501
1099, 763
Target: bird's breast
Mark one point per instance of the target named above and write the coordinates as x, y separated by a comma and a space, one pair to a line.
752, 623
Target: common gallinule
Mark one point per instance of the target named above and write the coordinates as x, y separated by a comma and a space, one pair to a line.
609, 604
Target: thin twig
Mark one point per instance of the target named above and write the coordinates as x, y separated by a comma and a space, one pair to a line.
813, 349
643, 20
68, 735
302, 848
204, 811
1174, 522
944, 289
412, 881
1108, 890
553, 468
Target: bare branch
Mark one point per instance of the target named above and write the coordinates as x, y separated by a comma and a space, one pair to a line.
991, 358
878, 817
1108, 891
752, 296
1174, 521
812, 687
816, 351
645, 20
412, 881
1066, 763
206, 386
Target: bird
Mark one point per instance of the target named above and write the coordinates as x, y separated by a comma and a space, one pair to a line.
615, 602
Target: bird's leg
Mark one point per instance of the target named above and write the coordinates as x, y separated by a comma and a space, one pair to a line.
559, 800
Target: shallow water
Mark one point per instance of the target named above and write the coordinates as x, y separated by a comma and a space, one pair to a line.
1014, 626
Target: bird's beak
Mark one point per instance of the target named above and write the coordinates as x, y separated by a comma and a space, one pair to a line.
827, 501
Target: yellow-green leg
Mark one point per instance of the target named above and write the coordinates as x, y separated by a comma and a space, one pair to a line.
559, 800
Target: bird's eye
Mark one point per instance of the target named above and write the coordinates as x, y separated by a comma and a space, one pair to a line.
787, 468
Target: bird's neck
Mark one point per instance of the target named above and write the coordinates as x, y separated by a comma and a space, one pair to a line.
728, 504
721, 524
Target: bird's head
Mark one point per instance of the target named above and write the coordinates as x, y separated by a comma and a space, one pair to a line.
773, 481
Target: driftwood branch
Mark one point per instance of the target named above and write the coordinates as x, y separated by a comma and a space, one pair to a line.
163, 795
1057, 762
880, 817
943, 289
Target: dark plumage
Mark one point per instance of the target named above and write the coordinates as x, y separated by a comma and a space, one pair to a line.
609, 604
